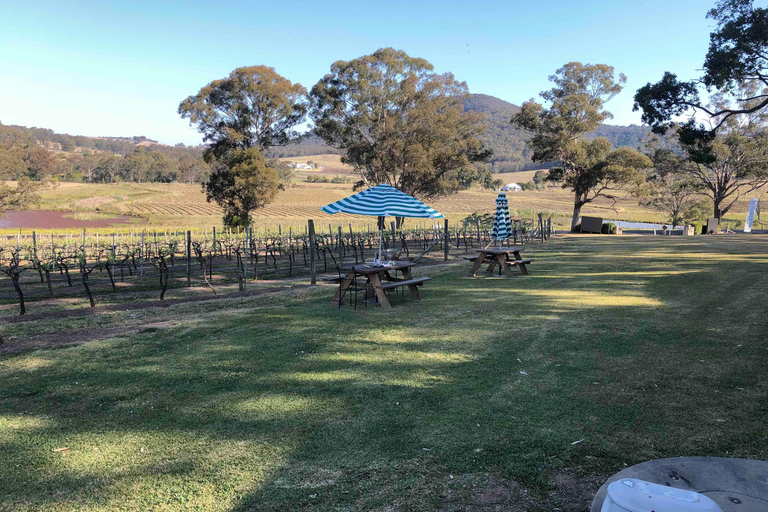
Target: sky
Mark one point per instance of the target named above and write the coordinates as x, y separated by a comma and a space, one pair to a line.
121, 68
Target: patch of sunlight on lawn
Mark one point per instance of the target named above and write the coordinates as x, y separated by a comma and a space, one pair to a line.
329, 376
18, 423
587, 299
643, 273
677, 255
277, 405
31, 363
401, 358
414, 379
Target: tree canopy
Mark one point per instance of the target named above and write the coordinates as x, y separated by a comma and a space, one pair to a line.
252, 107
241, 184
730, 165
398, 122
737, 55
669, 186
240, 117
577, 107
596, 170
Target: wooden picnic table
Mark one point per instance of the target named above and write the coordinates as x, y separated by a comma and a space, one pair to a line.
500, 256
375, 276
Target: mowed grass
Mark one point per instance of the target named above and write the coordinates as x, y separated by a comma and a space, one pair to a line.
638, 347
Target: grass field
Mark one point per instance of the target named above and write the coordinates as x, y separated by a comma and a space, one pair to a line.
522, 396
179, 206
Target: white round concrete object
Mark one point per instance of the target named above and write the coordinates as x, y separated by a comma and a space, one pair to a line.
633, 495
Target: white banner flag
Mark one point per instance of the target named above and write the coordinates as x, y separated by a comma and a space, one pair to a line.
750, 215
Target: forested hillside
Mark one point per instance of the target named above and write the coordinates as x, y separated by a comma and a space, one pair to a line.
508, 143
39, 152
310, 144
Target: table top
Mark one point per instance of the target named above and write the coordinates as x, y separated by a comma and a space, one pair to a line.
362, 268
501, 250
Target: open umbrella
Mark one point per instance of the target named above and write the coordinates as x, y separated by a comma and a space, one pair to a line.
382, 201
502, 225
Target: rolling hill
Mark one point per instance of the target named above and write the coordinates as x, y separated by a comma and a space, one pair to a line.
510, 152
508, 143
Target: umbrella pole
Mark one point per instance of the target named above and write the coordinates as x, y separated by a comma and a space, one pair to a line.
381, 236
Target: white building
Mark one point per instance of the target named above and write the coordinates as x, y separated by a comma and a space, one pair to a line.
511, 187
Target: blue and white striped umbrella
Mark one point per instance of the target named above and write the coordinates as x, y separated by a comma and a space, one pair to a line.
502, 224
383, 201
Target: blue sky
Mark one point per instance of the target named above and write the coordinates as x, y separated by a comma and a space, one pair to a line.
121, 68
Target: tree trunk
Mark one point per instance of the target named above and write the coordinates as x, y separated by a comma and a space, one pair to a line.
577, 204
718, 213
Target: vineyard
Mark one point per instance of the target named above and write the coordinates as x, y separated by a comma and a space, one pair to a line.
184, 206
118, 267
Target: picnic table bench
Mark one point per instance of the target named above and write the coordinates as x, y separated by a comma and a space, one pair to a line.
500, 256
375, 275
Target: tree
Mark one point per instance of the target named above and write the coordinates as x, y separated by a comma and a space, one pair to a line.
14, 164
577, 102
730, 166
540, 180
398, 122
284, 172
596, 170
24, 195
253, 107
242, 183
737, 55
39, 162
669, 185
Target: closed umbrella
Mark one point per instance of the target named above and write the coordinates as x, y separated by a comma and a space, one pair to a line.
502, 225
382, 201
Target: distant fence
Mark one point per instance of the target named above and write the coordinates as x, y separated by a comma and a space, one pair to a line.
94, 264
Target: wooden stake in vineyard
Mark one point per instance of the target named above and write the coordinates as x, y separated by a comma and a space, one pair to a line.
141, 256
189, 258
247, 249
312, 246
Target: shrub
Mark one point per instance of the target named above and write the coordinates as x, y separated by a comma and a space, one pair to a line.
699, 227
608, 228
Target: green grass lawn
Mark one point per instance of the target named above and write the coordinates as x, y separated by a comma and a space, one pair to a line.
639, 347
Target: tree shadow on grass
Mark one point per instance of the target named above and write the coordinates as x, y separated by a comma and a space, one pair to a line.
307, 406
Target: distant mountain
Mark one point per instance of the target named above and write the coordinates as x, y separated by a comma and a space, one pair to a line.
40, 153
510, 152
508, 143
20, 135
310, 144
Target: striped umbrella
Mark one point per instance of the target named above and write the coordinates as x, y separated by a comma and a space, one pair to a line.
502, 225
382, 201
